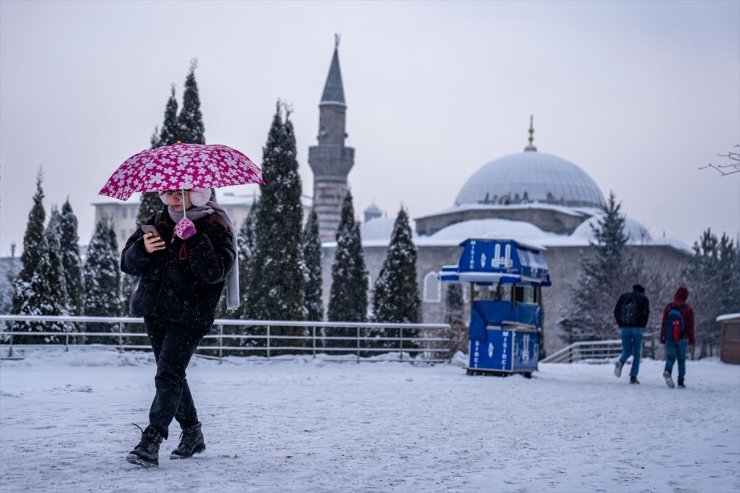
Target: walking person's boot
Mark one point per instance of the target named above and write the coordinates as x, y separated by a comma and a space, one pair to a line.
618, 369
146, 453
681, 384
191, 443
634, 380
669, 380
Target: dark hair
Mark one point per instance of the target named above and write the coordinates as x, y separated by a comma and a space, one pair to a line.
217, 219
638, 288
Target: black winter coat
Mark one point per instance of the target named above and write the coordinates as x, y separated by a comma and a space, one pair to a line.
632, 310
183, 282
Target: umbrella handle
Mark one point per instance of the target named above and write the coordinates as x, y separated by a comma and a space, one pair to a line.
184, 214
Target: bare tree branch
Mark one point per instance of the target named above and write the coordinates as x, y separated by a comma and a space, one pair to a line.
730, 168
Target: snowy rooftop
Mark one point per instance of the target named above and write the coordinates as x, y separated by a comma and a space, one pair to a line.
377, 232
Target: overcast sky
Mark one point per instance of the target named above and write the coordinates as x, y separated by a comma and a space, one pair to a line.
638, 94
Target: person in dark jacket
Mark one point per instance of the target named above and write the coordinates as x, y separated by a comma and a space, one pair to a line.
182, 267
631, 313
677, 349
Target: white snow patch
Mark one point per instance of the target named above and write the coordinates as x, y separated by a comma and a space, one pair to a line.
296, 425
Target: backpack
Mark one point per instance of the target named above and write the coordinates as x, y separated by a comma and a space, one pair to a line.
628, 311
674, 329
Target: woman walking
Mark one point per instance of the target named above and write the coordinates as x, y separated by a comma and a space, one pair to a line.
183, 256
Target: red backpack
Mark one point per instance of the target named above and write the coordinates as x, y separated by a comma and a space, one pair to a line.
674, 328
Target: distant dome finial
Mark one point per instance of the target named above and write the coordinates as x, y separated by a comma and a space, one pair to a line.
531, 146
336, 41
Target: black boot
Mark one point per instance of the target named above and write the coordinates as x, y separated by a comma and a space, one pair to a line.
191, 442
634, 380
681, 384
146, 453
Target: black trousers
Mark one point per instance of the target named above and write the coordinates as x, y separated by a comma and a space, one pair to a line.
173, 345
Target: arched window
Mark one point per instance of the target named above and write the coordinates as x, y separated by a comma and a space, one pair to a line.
432, 288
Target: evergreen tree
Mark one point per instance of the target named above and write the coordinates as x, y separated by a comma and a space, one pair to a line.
170, 128
57, 302
154, 139
312, 258
454, 304
245, 251
396, 293
71, 262
149, 205
150, 202
34, 244
247, 244
396, 296
275, 286
56, 278
349, 278
190, 128
30, 290
6, 295
609, 272
245, 248
713, 278
102, 280
455, 316
729, 268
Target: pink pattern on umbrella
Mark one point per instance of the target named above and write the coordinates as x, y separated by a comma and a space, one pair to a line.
181, 166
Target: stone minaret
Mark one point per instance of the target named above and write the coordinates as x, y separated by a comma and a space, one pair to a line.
331, 160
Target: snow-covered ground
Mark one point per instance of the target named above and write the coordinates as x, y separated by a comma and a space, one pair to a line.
312, 426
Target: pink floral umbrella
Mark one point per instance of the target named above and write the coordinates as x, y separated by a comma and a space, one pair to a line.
181, 166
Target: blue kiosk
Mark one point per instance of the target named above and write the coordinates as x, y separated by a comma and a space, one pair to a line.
505, 332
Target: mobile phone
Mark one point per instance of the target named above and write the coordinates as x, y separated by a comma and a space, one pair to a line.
149, 228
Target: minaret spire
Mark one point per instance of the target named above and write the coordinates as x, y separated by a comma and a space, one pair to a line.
334, 89
331, 160
531, 146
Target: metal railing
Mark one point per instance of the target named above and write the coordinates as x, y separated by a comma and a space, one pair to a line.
599, 351
432, 343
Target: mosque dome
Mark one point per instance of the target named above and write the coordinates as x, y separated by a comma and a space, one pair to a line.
372, 212
531, 176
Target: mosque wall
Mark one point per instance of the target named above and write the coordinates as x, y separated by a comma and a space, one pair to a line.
564, 263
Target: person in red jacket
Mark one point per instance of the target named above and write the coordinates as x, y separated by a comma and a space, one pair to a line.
684, 332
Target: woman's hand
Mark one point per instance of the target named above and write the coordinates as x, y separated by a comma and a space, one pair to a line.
153, 243
185, 228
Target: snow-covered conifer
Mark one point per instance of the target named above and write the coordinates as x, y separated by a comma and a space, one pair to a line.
71, 263
712, 278
608, 273
190, 127
55, 278
150, 202
396, 294
349, 280
29, 293
312, 258
102, 280
275, 279
454, 304
170, 128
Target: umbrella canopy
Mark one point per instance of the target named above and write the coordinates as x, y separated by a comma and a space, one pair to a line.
181, 166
